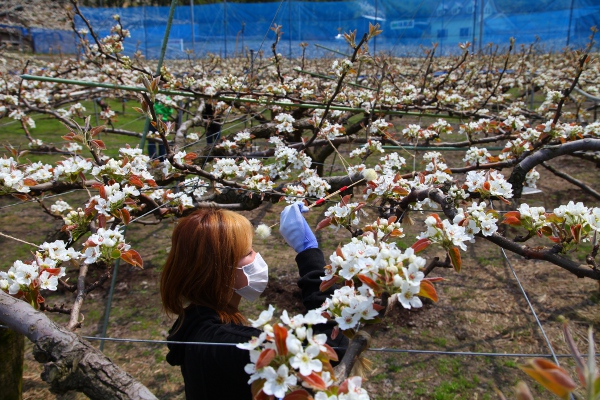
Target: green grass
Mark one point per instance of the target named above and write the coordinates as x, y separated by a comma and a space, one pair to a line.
50, 130
452, 389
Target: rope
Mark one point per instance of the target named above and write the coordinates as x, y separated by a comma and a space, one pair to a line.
18, 240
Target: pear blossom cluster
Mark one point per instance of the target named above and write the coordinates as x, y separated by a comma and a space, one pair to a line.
531, 178
27, 278
71, 169
344, 214
225, 168
331, 130
436, 170
390, 164
13, 179
445, 233
414, 131
441, 126
75, 110
111, 198
387, 186
577, 213
60, 207
288, 355
258, 182
476, 218
293, 192
340, 67
379, 266
286, 160
198, 186
286, 122
532, 218
102, 245
379, 126
488, 183
315, 185
170, 198
133, 164
476, 156
371, 147
240, 141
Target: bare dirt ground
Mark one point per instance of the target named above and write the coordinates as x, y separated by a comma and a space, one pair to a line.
481, 309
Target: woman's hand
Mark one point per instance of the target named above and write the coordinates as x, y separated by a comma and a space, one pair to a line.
295, 230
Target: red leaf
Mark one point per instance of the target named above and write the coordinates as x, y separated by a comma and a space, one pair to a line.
551, 376
22, 197
326, 222
256, 390
29, 182
190, 156
125, 216
95, 131
327, 284
335, 332
280, 335
101, 221
359, 206
343, 387
99, 144
52, 271
345, 199
39, 299
454, 254
136, 181
438, 221
400, 190
576, 232
265, 358
511, 221
90, 208
434, 279
314, 381
330, 352
369, 282
338, 251
428, 290
299, 394
132, 257
421, 245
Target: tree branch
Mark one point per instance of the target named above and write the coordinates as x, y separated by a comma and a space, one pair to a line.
572, 180
70, 363
517, 177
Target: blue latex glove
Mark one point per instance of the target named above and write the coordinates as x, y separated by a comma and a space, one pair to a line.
295, 230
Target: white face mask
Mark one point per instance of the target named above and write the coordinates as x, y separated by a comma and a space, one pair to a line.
257, 273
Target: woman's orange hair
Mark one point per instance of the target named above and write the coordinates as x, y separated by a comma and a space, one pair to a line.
206, 247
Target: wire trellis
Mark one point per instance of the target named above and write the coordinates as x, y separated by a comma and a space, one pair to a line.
194, 185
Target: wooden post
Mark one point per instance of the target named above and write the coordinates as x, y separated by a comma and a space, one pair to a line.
11, 364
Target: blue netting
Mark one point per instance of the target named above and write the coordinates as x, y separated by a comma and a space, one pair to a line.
230, 28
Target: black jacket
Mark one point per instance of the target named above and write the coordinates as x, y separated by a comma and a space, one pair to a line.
217, 372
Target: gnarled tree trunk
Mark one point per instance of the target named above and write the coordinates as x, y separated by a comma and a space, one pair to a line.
70, 363
11, 364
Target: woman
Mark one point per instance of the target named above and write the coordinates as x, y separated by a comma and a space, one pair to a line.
210, 267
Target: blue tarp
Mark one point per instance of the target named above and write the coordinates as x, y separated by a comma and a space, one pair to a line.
408, 25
